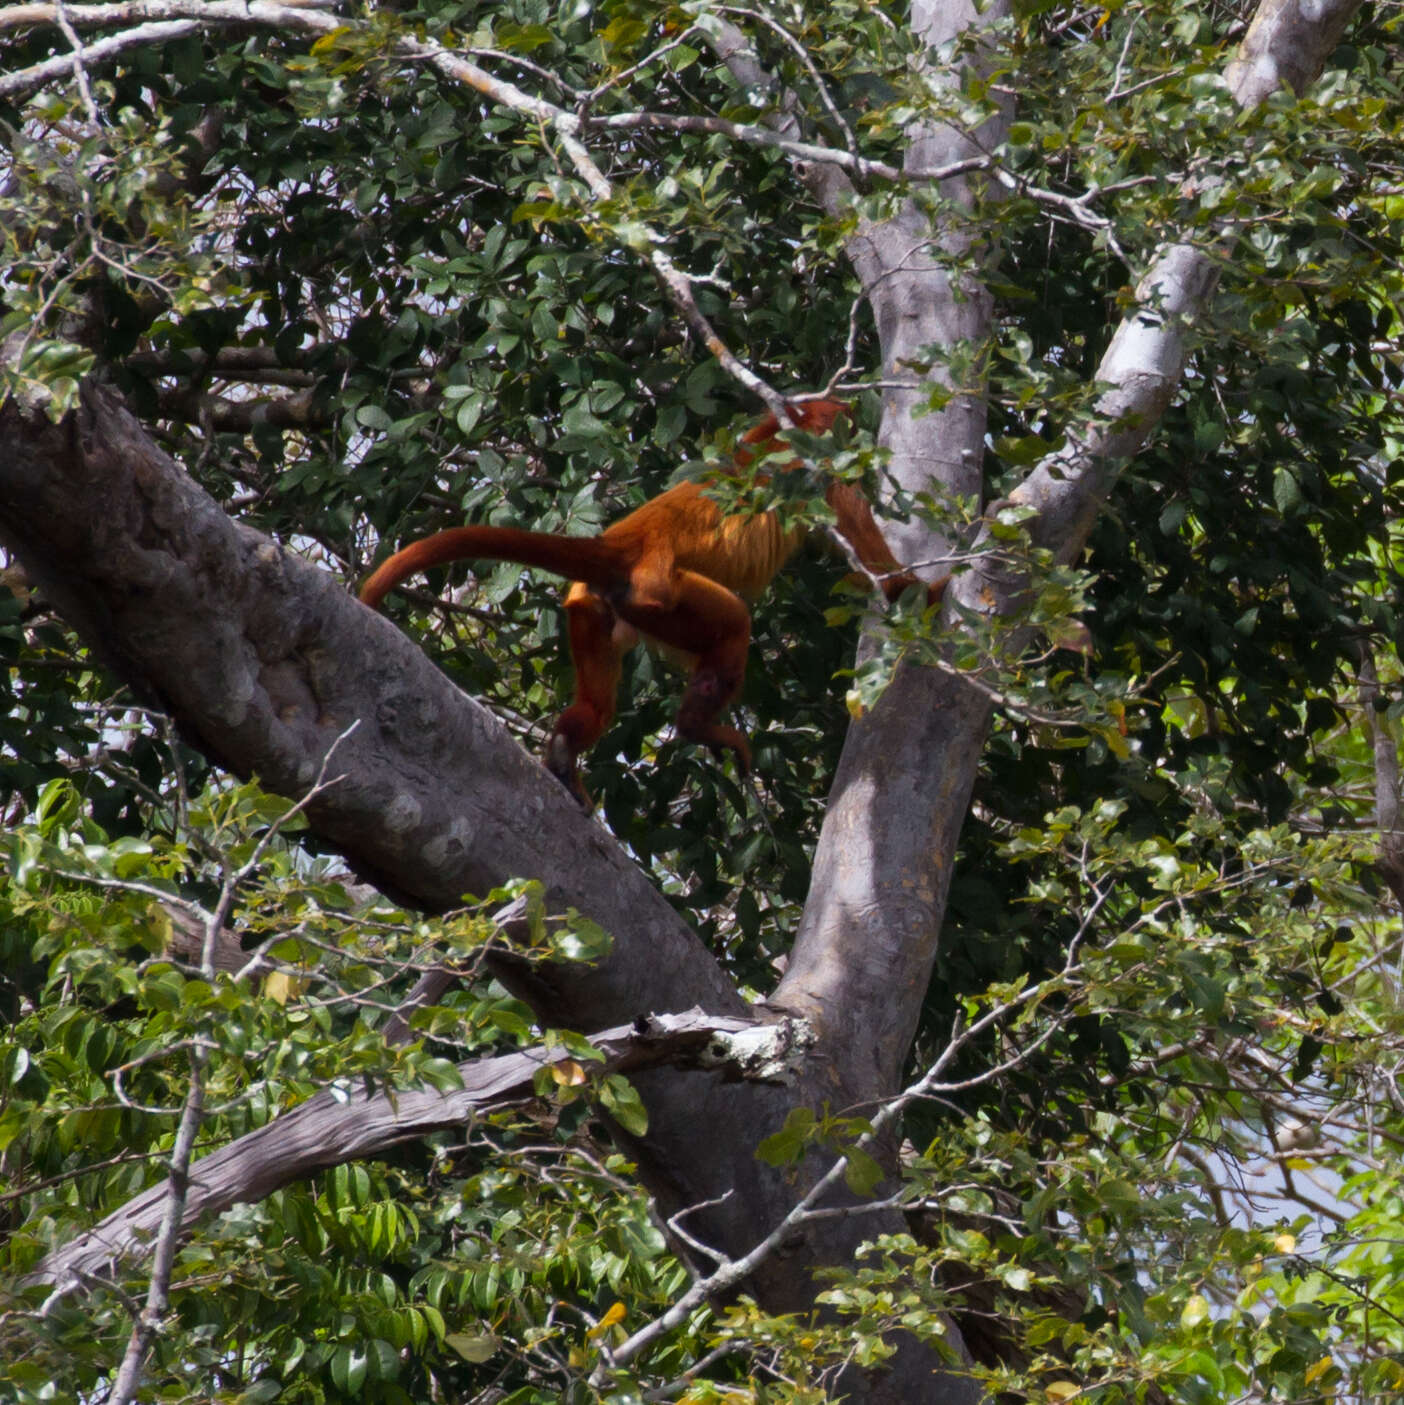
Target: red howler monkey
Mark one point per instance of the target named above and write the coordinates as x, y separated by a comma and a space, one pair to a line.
677, 570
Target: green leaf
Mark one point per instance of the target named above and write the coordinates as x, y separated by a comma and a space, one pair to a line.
1286, 492
861, 1172
618, 1098
476, 1347
786, 1146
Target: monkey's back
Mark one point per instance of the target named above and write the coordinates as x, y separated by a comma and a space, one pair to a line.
740, 551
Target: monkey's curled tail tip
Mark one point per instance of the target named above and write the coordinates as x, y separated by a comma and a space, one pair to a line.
373, 591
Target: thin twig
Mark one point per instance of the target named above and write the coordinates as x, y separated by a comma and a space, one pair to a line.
80, 73
158, 1293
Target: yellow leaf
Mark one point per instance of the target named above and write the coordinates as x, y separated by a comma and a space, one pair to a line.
1115, 738
1316, 1370
1285, 1243
612, 1318
281, 987
853, 701
329, 40
568, 1074
1062, 1390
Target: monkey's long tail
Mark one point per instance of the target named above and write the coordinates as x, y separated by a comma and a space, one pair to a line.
588, 559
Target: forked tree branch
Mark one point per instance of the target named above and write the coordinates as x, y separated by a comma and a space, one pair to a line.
1287, 44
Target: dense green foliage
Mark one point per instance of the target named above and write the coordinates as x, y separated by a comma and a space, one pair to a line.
1167, 880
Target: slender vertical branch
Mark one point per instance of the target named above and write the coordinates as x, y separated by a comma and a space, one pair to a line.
1384, 745
158, 1293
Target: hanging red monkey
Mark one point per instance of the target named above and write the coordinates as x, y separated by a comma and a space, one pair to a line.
677, 570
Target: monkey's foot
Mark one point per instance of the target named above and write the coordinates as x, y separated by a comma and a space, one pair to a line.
560, 761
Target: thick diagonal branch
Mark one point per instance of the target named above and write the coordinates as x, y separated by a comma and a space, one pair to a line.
350, 1123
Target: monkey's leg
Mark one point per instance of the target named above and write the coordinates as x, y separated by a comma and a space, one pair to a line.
712, 623
599, 639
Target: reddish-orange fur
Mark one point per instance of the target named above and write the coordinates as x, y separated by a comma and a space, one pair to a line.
677, 570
